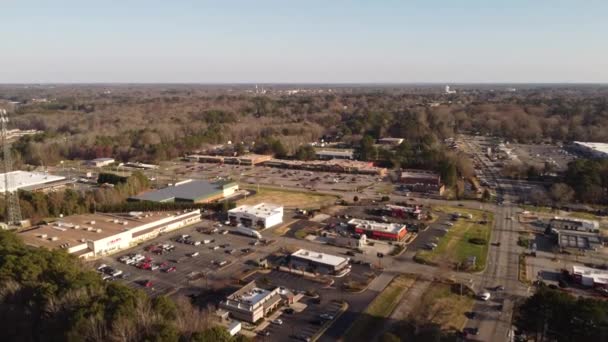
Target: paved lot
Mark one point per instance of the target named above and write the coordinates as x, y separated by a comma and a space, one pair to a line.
207, 261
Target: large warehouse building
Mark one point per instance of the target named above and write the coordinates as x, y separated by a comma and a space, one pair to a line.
260, 216
191, 191
94, 235
31, 181
319, 262
378, 230
334, 165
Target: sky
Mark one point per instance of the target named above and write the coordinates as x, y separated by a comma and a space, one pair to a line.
288, 41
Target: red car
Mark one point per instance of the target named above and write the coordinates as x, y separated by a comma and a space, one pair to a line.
145, 283
170, 269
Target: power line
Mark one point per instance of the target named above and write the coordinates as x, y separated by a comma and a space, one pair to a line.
13, 210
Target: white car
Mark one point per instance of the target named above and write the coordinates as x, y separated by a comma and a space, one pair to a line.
277, 321
485, 296
195, 254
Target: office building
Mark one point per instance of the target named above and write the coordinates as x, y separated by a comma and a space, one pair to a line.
251, 303
422, 181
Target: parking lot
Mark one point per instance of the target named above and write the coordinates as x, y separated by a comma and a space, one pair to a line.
222, 252
302, 325
258, 174
432, 234
307, 322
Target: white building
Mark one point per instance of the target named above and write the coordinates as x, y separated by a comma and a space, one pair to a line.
319, 262
28, 180
588, 276
593, 149
390, 141
100, 162
335, 154
100, 234
569, 223
262, 215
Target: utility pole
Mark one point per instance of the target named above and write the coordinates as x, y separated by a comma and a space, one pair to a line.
13, 211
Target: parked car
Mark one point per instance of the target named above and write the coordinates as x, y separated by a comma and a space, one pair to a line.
326, 316
485, 296
277, 321
289, 311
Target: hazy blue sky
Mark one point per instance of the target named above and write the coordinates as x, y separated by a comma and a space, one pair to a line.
304, 41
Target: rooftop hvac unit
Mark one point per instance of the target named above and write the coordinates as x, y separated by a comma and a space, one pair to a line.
124, 223
76, 226
320, 256
42, 236
83, 240
92, 222
98, 231
89, 229
54, 238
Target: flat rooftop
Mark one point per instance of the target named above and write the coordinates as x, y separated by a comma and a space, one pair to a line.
24, 179
414, 209
599, 276
419, 174
579, 239
592, 223
258, 210
599, 147
72, 230
393, 228
248, 296
323, 258
188, 190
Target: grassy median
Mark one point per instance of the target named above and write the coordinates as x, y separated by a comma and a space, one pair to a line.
466, 238
373, 318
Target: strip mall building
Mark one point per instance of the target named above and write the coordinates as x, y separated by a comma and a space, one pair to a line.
90, 236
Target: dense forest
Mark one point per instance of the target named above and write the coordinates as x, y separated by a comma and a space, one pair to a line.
51, 296
158, 123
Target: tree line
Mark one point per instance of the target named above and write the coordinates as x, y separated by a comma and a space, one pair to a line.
553, 315
160, 126
50, 296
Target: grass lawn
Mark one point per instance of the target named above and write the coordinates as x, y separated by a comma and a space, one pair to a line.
373, 318
288, 198
533, 208
441, 305
302, 233
454, 247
